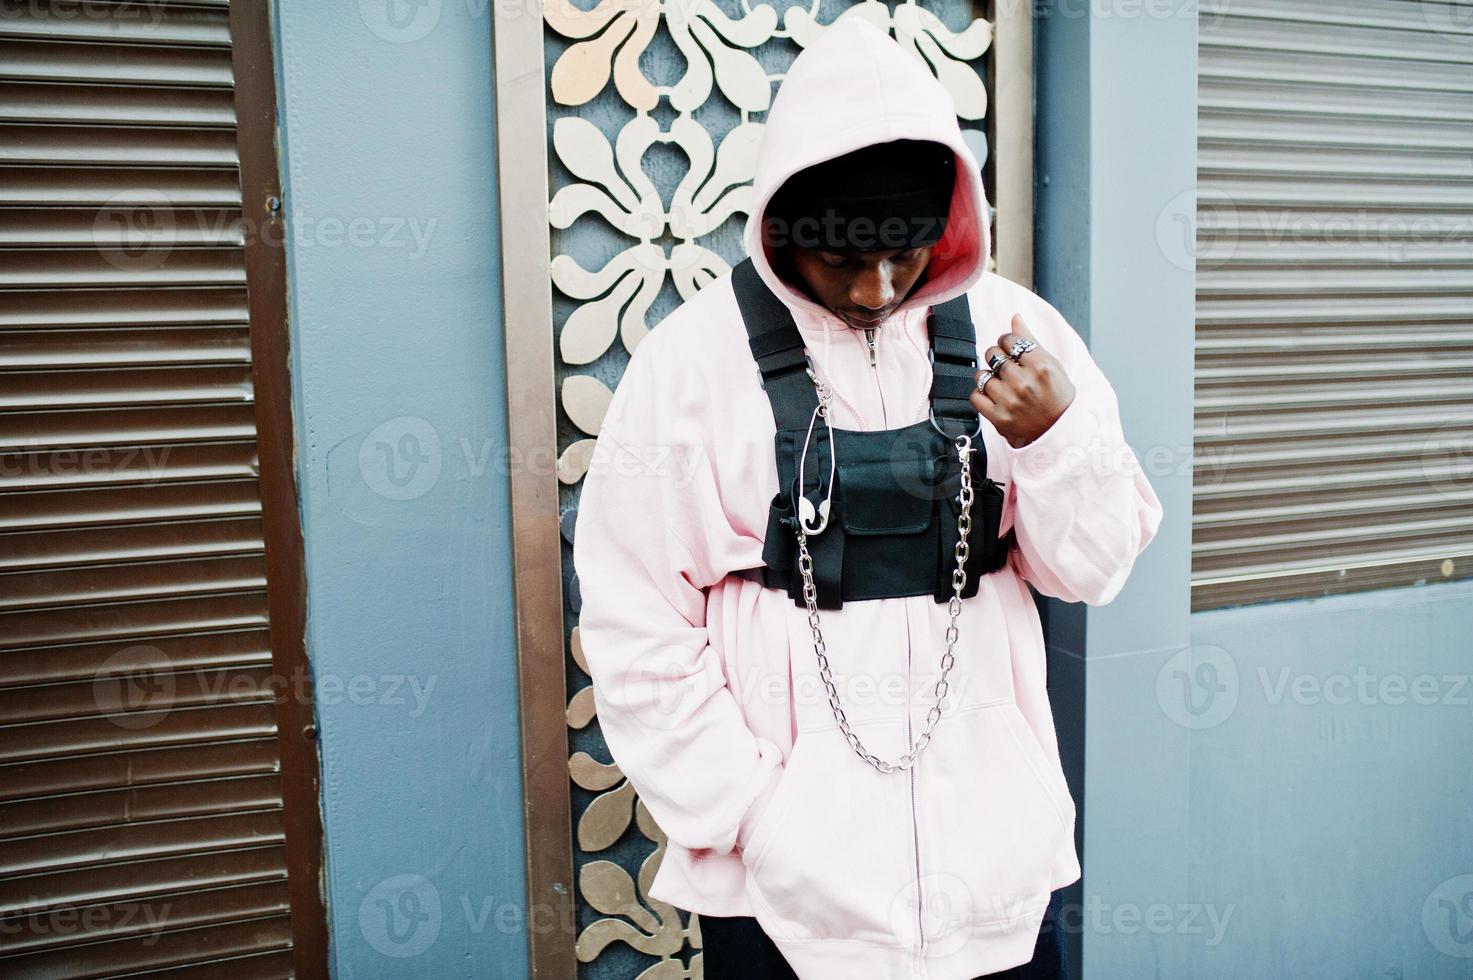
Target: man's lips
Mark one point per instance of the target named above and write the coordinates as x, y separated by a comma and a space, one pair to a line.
864, 321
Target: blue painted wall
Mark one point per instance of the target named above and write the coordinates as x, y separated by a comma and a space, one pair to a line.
1279, 790
1332, 798
390, 196
1116, 157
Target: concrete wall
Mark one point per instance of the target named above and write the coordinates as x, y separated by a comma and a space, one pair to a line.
388, 161
1264, 794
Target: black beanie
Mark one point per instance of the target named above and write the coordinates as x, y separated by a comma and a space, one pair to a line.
881, 196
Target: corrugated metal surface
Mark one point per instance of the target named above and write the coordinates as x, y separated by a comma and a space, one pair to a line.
1334, 366
141, 814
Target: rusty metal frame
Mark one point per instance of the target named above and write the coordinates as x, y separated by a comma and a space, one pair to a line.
286, 590
531, 392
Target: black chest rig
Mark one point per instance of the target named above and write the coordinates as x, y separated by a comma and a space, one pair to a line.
895, 495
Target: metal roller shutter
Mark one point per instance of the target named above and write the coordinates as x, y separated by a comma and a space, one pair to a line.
157, 798
1334, 362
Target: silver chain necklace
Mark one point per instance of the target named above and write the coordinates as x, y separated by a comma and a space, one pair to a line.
958, 582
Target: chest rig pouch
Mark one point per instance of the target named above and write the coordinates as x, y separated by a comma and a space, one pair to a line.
895, 501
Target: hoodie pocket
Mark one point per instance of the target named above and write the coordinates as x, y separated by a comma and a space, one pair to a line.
772, 816
830, 857
994, 811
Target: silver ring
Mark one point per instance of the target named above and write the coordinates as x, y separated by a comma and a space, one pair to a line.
996, 362
1021, 346
985, 377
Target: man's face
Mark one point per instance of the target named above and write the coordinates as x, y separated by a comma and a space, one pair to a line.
860, 288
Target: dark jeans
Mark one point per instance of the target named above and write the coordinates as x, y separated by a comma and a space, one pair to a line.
736, 948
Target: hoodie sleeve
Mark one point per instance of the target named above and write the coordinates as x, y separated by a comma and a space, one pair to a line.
1081, 505
649, 541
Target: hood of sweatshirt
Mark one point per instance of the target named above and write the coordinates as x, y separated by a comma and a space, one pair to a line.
855, 86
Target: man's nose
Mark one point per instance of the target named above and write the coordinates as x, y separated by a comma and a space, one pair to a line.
872, 289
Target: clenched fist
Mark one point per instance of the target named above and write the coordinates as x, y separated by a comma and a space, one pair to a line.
1024, 397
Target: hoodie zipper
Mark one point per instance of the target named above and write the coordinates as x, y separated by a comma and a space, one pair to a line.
869, 338
915, 823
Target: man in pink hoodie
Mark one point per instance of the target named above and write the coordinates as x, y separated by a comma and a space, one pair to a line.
867, 788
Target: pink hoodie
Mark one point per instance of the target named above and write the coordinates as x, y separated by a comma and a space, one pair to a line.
706, 684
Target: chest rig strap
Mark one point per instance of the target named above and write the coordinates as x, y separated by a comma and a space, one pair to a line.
777, 346
953, 366
779, 350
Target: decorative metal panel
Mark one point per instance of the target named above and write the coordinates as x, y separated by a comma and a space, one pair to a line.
1334, 258
655, 119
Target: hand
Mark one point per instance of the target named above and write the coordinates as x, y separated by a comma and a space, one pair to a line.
1025, 396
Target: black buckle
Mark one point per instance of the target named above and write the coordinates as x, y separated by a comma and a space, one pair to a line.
931, 403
